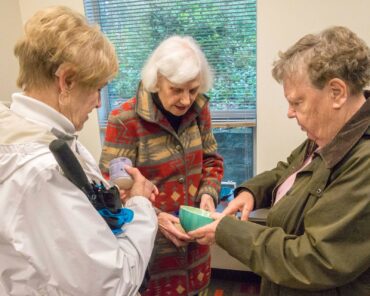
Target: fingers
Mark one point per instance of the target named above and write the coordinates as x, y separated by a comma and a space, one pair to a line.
203, 236
177, 242
217, 216
245, 211
207, 203
197, 232
141, 186
168, 222
231, 209
152, 197
245, 214
203, 231
173, 218
205, 240
244, 202
181, 235
133, 172
155, 191
210, 207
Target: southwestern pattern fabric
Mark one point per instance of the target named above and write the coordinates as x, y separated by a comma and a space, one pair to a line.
183, 165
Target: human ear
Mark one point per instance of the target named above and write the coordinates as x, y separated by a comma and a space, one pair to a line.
157, 86
66, 75
338, 91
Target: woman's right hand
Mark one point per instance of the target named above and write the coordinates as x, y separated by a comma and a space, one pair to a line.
167, 225
141, 185
243, 203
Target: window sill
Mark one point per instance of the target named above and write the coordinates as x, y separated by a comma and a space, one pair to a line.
219, 124
231, 124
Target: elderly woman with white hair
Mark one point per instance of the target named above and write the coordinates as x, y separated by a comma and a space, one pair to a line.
166, 132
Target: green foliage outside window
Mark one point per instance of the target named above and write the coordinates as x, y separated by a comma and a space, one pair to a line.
225, 29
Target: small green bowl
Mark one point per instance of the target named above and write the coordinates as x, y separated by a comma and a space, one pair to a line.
192, 218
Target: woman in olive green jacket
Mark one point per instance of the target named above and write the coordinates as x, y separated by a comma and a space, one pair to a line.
317, 237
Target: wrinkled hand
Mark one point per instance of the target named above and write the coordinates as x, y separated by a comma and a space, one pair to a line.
243, 202
207, 203
141, 185
167, 225
206, 235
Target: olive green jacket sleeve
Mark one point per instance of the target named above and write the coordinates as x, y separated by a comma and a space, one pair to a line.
334, 247
262, 186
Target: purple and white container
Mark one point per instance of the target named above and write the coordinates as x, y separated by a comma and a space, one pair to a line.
118, 174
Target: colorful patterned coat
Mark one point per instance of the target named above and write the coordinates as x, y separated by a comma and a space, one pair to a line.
183, 165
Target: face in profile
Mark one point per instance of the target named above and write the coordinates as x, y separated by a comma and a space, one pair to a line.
311, 107
83, 101
177, 98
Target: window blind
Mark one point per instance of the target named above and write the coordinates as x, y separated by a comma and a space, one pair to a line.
225, 30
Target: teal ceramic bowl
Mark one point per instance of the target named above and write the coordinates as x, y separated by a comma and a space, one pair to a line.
192, 218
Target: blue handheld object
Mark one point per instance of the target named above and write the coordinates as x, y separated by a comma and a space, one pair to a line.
118, 219
106, 201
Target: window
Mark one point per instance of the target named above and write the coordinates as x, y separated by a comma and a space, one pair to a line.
226, 31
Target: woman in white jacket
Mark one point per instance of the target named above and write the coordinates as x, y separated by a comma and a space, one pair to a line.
52, 240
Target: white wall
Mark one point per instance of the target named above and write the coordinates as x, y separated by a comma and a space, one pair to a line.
10, 30
280, 23
29, 7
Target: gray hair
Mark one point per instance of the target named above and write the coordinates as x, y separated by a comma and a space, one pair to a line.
179, 59
336, 52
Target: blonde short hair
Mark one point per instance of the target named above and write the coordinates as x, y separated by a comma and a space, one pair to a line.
336, 52
179, 59
59, 35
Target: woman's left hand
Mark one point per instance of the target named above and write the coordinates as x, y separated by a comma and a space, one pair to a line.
169, 227
207, 203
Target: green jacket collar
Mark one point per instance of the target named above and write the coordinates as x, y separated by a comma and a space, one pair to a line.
348, 136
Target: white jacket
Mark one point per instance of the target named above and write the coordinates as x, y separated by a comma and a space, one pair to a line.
52, 240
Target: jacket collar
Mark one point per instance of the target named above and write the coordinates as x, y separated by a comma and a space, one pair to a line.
348, 136
147, 110
40, 113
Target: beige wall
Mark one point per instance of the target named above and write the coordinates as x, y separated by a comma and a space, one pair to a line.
279, 24
29, 7
10, 30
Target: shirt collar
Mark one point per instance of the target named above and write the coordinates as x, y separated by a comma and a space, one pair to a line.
41, 113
